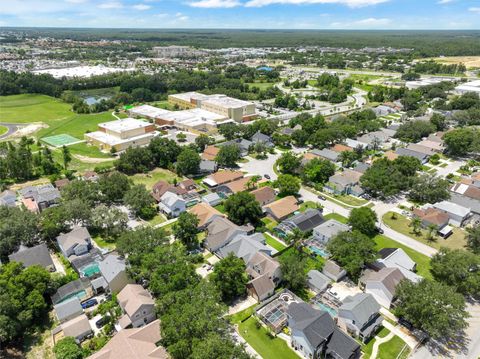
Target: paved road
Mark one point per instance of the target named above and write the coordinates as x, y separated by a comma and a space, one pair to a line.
12, 128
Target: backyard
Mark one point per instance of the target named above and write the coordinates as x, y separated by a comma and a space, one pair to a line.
388, 350
152, 177
274, 243
401, 224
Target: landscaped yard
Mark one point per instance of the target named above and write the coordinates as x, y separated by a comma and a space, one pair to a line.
306, 205
350, 200
3, 130
336, 217
402, 224
392, 349
368, 347
270, 224
273, 242
159, 218
423, 261
261, 85
103, 244
265, 345
152, 177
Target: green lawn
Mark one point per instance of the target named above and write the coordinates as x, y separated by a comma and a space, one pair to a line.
159, 218
350, 200
423, 261
336, 217
269, 223
3, 130
392, 349
306, 205
368, 347
273, 242
239, 317
260, 85
401, 224
152, 177
268, 347
104, 244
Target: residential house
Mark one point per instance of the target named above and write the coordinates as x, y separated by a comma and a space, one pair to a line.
361, 167
333, 271
327, 154
222, 177
81, 288
422, 157
8, 198
304, 222
457, 214
287, 131
210, 153
397, 258
159, 189
243, 144
360, 315
135, 343
317, 281
339, 148
282, 208
212, 199
391, 156
79, 328
90, 176
264, 195
37, 198
432, 216
230, 188
346, 182
207, 167
245, 247
261, 138
466, 194
324, 232
113, 268
188, 185
220, 232
382, 284
59, 184
265, 274
68, 309
37, 255
422, 149
137, 305
433, 146
172, 204
315, 335
376, 139
205, 214
383, 110
354, 143
76, 242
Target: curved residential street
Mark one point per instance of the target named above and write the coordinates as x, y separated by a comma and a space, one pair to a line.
12, 128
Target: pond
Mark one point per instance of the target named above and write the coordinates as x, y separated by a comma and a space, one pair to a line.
92, 100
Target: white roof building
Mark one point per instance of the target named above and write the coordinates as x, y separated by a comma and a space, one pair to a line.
456, 212
147, 111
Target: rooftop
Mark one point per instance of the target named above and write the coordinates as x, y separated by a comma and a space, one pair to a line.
123, 125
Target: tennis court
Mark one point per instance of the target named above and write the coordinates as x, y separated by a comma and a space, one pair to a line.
60, 140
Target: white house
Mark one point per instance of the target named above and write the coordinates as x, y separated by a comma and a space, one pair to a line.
138, 306
329, 229
114, 270
76, 242
172, 204
383, 284
457, 213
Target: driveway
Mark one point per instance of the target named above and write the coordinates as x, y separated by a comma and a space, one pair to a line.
261, 167
11, 129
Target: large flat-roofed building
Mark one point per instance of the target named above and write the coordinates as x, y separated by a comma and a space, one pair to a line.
193, 120
237, 110
122, 134
176, 51
147, 111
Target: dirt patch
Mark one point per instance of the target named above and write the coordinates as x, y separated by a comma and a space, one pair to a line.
470, 62
29, 129
86, 159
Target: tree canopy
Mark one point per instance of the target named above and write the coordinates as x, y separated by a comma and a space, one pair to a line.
364, 220
243, 208
229, 277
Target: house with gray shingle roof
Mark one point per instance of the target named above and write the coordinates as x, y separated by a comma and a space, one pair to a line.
8, 198
317, 281
329, 229
114, 270
68, 309
245, 247
37, 255
220, 232
76, 242
383, 284
262, 138
40, 197
360, 314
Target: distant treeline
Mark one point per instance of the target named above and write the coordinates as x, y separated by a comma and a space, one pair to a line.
426, 43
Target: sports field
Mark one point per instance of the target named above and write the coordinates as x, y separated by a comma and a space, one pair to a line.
60, 140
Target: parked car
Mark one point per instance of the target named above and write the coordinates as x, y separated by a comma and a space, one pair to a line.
102, 321
89, 303
323, 198
266, 176
379, 230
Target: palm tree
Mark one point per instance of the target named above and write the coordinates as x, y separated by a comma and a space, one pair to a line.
67, 157
415, 224
431, 234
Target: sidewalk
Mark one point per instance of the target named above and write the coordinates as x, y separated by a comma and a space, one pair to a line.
402, 333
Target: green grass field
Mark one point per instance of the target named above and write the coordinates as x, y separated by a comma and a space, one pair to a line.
336, 217
261, 85
152, 177
263, 343
3, 130
273, 242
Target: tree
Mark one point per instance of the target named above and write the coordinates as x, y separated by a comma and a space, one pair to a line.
67, 157
181, 137
188, 162
317, 171
164, 151
289, 163
287, 185
439, 121
185, 229
294, 274
22, 299
458, 269
473, 239
416, 224
462, 141
228, 155
414, 131
17, 226
216, 346
88, 191
203, 141
230, 278
140, 201
431, 232
113, 186
109, 221
135, 160
352, 250
431, 306
67, 348
75, 212
429, 189
243, 208
348, 158
364, 220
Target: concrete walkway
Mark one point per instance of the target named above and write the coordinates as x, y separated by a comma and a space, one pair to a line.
166, 223
402, 333
379, 341
248, 348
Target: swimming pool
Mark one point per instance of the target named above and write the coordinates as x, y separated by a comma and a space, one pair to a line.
333, 313
90, 270
80, 295
319, 251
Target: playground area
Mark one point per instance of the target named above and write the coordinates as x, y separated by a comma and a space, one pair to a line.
61, 140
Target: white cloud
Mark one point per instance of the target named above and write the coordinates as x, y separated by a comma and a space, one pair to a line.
474, 9
215, 3
111, 5
368, 23
373, 21
141, 7
350, 3
76, 1
445, 1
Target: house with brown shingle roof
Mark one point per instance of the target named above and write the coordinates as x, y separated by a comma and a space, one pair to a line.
222, 177
137, 305
432, 216
390, 155
234, 187
264, 195
205, 214
281, 209
341, 148
383, 284
210, 153
159, 189
136, 343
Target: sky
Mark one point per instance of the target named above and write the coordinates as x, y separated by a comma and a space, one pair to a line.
244, 14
